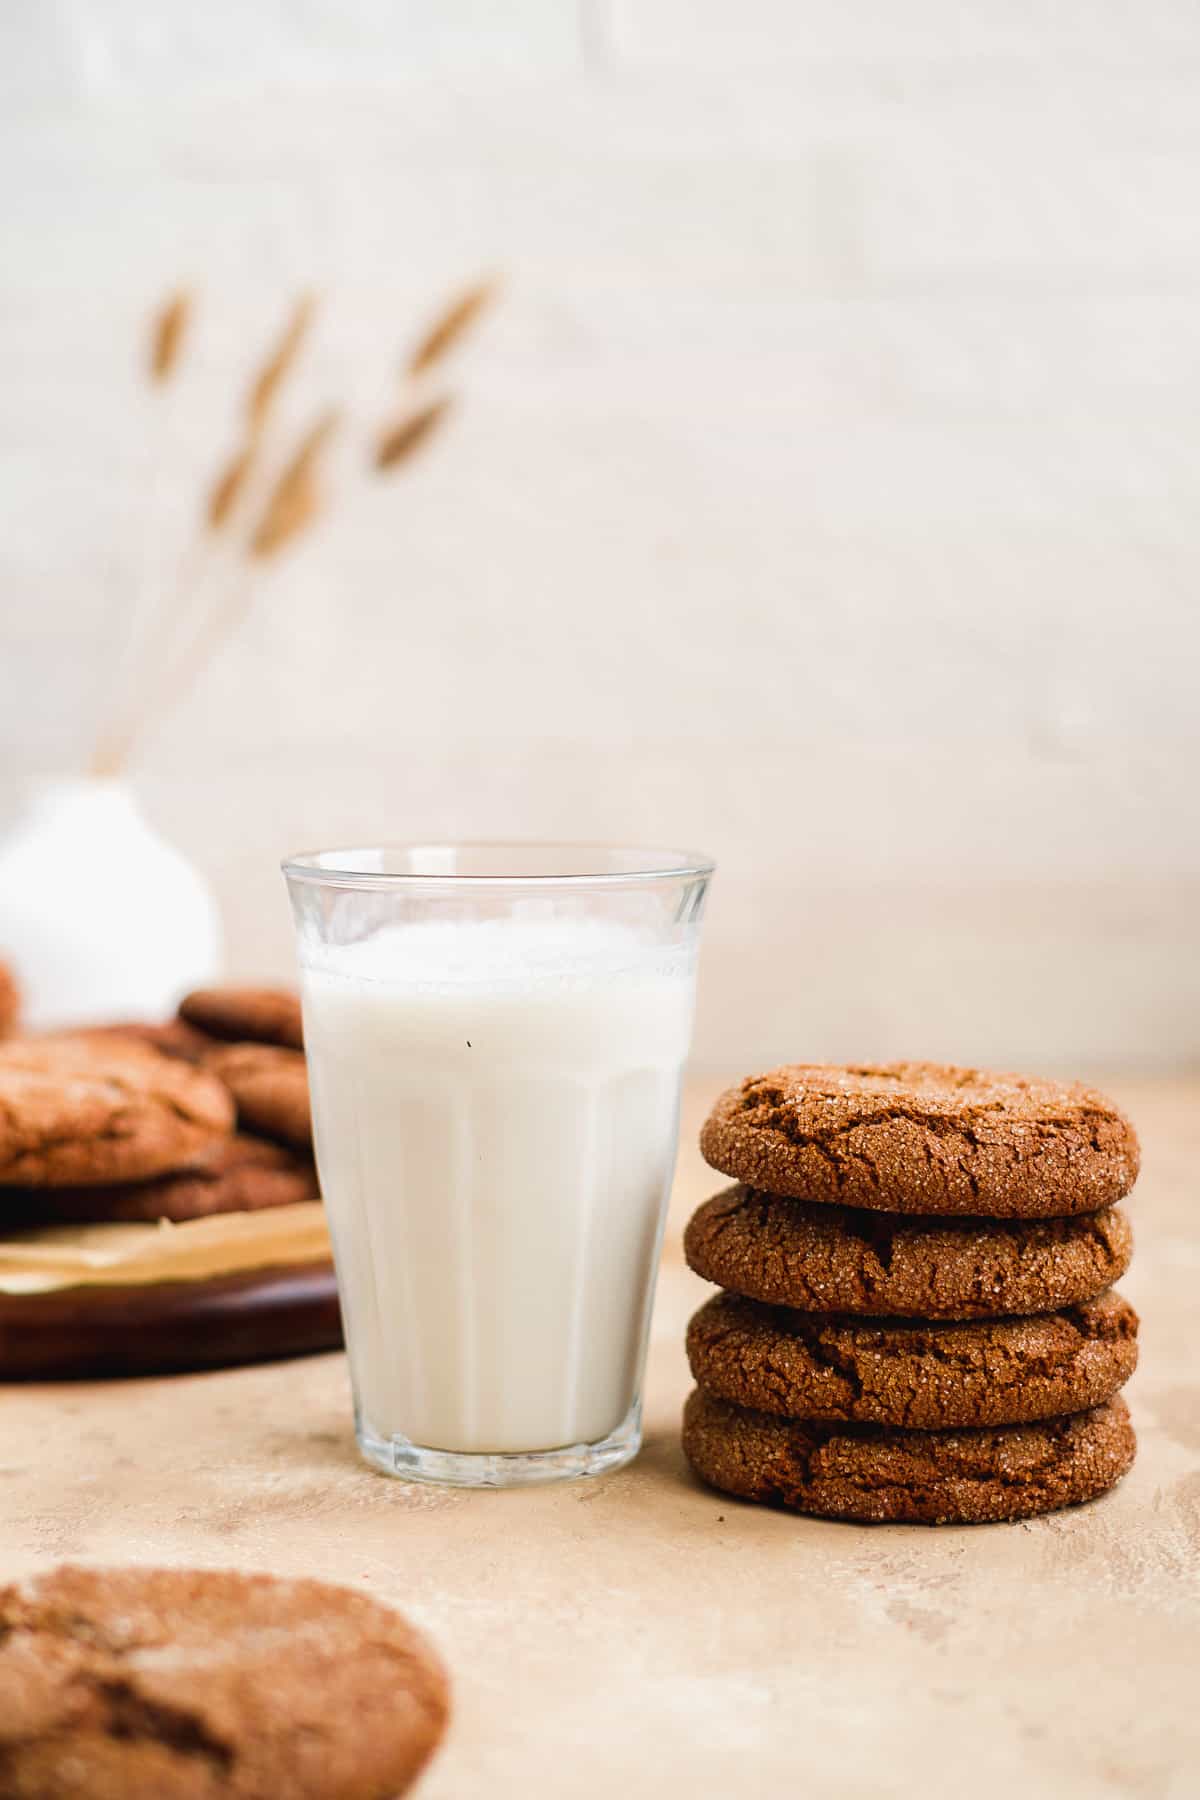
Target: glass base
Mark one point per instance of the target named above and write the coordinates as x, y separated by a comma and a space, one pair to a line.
499, 1469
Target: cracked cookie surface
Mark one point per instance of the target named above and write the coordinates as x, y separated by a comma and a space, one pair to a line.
924, 1138
190, 1685
888, 1372
832, 1259
877, 1475
77, 1112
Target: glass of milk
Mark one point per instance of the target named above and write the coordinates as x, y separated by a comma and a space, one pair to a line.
495, 1038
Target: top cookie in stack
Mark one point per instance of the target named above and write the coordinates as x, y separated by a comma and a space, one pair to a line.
919, 1323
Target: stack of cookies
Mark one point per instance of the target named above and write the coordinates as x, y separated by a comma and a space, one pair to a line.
158, 1194
918, 1321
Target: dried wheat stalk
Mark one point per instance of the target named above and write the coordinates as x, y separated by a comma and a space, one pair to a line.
178, 678
167, 333
233, 479
452, 324
295, 500
227, 488
168, 623
274, 372
399, 441
291, 506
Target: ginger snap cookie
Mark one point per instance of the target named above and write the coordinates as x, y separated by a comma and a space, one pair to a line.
918, 1137
234, 1174
75, 1112
208, 1685
893, 1372
10, 1001
270, 1087
876, 1474
825, 1258
254, 1015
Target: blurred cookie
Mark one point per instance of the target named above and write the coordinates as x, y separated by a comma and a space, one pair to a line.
832, 1259
10, 1001
247, 1015
76, 1112
877, 1475
194, 1685
174, 1037
270, 1086
924, 1138
235, 1174
893, 1372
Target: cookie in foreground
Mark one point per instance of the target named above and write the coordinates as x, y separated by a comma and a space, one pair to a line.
918, 1137
876, 1475
842, 1259
210, 1685
902, 1372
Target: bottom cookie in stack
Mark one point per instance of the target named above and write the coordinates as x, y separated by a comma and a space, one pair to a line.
878, 1475
904, 1359
141, 1233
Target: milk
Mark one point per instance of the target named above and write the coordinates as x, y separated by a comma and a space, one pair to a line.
496, 1111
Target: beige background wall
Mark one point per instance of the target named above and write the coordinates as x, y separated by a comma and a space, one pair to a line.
825, 493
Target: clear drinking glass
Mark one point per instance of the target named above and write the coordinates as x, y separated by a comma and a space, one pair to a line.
495, 1038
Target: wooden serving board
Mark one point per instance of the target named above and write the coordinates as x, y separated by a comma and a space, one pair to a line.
165, 1327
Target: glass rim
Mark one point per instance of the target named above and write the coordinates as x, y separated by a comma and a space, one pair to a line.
335, 867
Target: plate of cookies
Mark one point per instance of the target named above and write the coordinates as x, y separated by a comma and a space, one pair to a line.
159, 1205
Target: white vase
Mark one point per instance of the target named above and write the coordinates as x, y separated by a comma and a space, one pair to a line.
100, 918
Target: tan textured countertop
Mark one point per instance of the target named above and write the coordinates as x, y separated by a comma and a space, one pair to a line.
639, 1636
